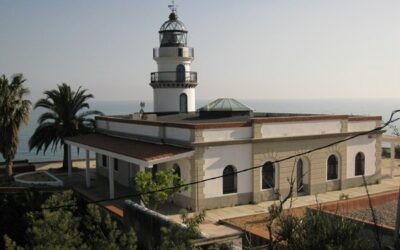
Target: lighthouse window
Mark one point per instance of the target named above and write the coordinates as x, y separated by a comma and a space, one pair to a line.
180, 52
180, 73
183, 103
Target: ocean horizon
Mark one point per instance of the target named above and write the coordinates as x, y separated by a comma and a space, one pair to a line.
381, 107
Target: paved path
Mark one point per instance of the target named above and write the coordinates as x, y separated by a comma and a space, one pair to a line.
213, 215
212, 228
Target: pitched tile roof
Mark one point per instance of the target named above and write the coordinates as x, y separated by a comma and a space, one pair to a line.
144, 151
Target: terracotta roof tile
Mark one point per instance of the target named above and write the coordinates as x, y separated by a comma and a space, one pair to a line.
136, 149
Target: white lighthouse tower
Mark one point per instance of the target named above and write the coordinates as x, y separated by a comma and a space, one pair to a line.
173, 84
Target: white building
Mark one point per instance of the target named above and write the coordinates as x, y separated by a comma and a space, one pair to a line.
225, 137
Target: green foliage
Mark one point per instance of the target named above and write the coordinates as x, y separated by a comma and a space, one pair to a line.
9, 244
56, 228
179, 238
62, 224
67, 115
318, 230
163, 180
14, 110
103, 233
13, 208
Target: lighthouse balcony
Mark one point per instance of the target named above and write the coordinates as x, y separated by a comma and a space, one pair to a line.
179, 52
174, 76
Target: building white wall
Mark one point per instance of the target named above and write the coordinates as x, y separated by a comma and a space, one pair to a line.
365, 145
100, 169
101, 124
288, 129
167, 99
181, 134
131, 128
184, 166
171, 64
354, 126
223, 134
217, 158
172, 52
122, 176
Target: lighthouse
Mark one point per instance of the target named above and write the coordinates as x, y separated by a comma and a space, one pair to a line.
174, 83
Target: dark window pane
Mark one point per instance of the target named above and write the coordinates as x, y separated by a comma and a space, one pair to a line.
180, 73
229, 180
116, 167
180, 52
154, 170
183, 103
360, 164
268, 175
332, 172
300, 175
104, 160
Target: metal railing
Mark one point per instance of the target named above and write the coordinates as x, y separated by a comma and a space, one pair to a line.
174, 76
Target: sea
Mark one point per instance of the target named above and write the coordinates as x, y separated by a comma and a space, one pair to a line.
382, 107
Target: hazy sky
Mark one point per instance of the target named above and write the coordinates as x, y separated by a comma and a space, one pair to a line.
258, 49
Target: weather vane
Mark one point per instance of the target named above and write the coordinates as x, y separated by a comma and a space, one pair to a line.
173, 6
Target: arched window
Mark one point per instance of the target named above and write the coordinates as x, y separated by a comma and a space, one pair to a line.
229, 180
333, 167
183, 103
360, 164
300, 175
177, 171
180, 73
268, 175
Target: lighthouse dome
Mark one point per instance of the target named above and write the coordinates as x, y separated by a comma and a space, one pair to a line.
173, 32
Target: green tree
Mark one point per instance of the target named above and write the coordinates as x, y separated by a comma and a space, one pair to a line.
63, 224
67, 115
165, 182
56, 228
14, 110
318, 230
13, 210
178, 237
102, 232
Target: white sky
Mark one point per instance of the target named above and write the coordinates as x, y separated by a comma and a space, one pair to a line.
258, 49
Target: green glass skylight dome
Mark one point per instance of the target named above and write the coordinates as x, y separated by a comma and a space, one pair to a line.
173, 32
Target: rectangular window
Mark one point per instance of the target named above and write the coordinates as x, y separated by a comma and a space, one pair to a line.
104, 160
180, 52
116, 165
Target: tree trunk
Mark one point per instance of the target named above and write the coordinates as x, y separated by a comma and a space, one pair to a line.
9, 167
65, 157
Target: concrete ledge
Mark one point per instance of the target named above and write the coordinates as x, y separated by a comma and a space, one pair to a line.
55, 182
227, 200
265, 195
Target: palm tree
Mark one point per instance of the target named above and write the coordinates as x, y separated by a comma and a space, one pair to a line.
14, 110
67, 115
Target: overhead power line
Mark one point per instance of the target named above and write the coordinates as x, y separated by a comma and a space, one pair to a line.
380, 128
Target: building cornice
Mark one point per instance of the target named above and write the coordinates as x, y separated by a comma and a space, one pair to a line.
247, 123
281, 139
